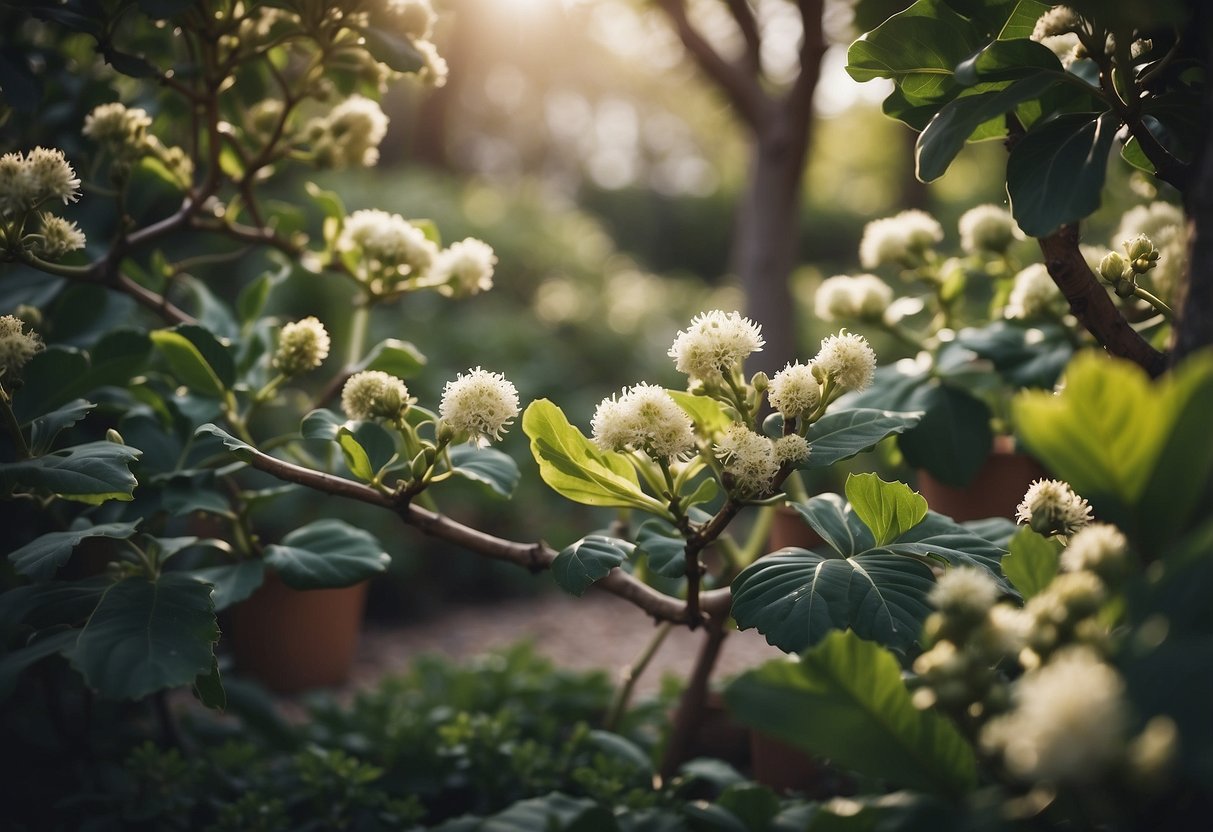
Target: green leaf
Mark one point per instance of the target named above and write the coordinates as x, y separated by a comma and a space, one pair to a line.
1056, 170
147, 635
1026, 356
941, 538
838, 436
707, 414
487, 466
664, 546
39, 559
588, 560
828, 515
1022, 20
327, 201
1008, 60
208, 687
1032, 563
45, 429
957, 120
327, 554
188, 364
117, 357
233, 582
392, 49
13, 664
397, 358
918, 48
1137, 449
845, 700
240, 448
954, 437
888, 509
576, 469
321, 424
92, 473
554, 812
253, 297
50, 379
795, 597
355, 455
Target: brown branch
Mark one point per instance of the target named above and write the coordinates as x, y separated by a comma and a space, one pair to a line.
694, 699
740, 87
812, 48
535, 557
1090, 303
743, 15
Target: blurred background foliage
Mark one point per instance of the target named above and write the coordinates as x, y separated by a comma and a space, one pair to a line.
576, 138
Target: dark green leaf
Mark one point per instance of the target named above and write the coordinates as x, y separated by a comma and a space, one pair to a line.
393, 49
50, 379
1022, 21
13, 664
208, 687
842, 435
754, 805
828, 515
40, 558
163, 9
233, 582
1056, 170
954, 437
1026, 356
92, 473
664, 546
941, 538
845, 700
188, 363
488, 466
1007, 60
240, 448
327, 554
146, 635
321, 424
397, 358
588, 560
45, 429
888, 509
1032, 563
117, 357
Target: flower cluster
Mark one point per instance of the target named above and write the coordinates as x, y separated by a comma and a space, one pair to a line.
302, 346
863, 297
465, 268
749, 459
846, 360
121, 129
373, 394
1099, 548
1034, 295
644, 418
795, 391
389, 247
902, 239
349, 135
1051, 507
988, 229
27, 181
17, 347
479, 404
1163, 223
714, 344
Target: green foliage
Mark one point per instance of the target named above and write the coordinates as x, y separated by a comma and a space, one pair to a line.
845, 433
588, 560
40, 558
889, 510
1032, 562
326, 554
845, 700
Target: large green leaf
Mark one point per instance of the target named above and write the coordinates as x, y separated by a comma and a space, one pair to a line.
830, 517
1056, 170
665, 547
327, 554
554, 812
1024, 355
92, 473
954, 437
957, 120
40, 558
1032, 562
708, 414
487, 466
888, 509
50, 379
943, 539
588, 560
842, 435
1138, 450
45, 429
147, 635
576, 469
845, 700
13, 664
397, 358
188, 363
232, 582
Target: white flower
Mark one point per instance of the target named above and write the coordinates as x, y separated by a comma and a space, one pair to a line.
1069, 722
1163, 223
644, 418
1097, 547
350, 134
791, 449
1034, 295
900, 239
481, 404
123, 128
435, 71
58, 237
302, 346
988, 228
847, 359
964, 591
416, 17
749, 458
373, 394
715, 343
16, 346
864, 297
1051, 507
1059, 20
466, 266
29, 180
388, 242
834, 300
794, 390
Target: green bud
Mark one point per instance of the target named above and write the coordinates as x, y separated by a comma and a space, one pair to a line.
446, 434
32, 315
1112, 267
760, 382
112, 435
1125, 287
1139, 247
820, 374
419, 466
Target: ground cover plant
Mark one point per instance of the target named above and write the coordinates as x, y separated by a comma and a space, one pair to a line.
973, 674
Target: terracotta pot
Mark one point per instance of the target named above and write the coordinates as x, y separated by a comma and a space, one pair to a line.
789, 529
995, 491
294, 640
783, 767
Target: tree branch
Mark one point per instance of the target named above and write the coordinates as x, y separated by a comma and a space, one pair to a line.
740, 87
1090, 303
743, 15
812, 48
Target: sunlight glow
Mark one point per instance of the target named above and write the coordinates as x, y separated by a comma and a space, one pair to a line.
527, 7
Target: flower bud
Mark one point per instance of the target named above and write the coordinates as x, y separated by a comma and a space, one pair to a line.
16, 347
419, 465
1112, 267
302, 346
373, 394
112, 435
760, 382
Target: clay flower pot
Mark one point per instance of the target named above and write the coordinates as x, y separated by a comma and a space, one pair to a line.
294, 640
789, 529
995, 491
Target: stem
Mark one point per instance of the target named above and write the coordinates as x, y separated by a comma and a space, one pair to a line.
14, 427
1154, 301
694, 698
630, 675
359, 323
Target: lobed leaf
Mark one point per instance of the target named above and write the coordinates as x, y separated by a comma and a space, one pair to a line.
41, 558
327, 554
589, 560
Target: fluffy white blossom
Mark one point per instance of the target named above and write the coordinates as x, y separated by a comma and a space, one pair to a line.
388, 242
1162, 222
847, 359
900, 239
435, 71
861, 297
466, 267
16, 346
1034, 295
715, 343
416, 17
988, 228
1052, 507
373, 394
1069, 722
302, 345
26, 181
480, 403
58, 237
1097, 547
122, 128
350, 134
750, 458
644, 418
1059, 20
791, 449
794, 391
964, 591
